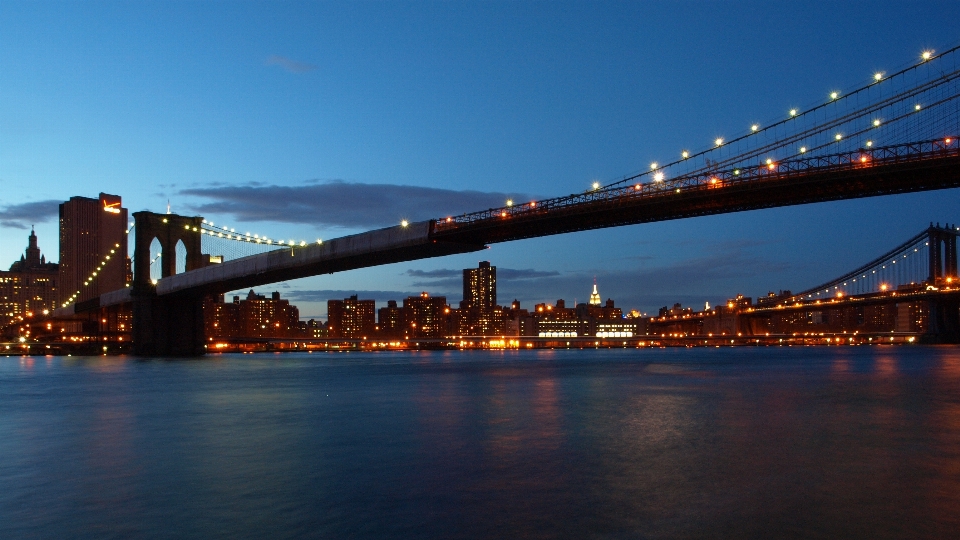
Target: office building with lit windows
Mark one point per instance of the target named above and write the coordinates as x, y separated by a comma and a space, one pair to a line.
90, 231
351, 318
30, 286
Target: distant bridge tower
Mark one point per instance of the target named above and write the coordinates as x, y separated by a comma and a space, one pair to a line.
944, 326
168, 325
943, 252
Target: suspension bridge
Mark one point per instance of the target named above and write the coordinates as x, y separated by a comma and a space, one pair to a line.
895, 133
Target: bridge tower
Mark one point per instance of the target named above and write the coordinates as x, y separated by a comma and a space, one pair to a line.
166, 325
944, 326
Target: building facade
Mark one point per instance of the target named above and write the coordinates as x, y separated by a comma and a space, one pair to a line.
90, 231
30, 286
254, 317
351, 318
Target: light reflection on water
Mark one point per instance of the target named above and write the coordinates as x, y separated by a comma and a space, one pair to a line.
766, 442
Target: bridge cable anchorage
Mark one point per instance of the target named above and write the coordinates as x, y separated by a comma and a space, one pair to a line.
895, 117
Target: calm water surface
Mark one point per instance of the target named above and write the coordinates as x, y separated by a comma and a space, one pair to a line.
762, 443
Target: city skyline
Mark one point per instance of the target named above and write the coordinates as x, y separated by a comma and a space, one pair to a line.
457, 108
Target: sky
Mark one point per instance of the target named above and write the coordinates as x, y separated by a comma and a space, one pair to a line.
322, 119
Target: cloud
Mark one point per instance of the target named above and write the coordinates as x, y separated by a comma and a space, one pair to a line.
292, 66
446, 279
343, 204
526, 273
20, 216
322, 295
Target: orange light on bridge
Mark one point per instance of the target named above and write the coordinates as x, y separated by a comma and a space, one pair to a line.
533, 204
948, 141
839, 294
772, 166
503, 214
884, 287
713, 180
863, 159
637, 187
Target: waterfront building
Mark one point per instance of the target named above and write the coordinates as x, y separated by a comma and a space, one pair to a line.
425, 316
254, 317
479, 314
390, 321
91, 230
30, 286
351, 318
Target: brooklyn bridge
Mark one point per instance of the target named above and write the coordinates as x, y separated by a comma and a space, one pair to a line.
896, 133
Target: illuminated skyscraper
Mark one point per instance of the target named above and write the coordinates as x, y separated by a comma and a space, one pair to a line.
480, 287
89, 230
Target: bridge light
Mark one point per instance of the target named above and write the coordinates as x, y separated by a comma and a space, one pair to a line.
319, 242
838, 136
637, 187
596, 185
718, 141
771, 166
164, 220
769, 161
653, 166
863, 159
926, 55
869, 144
713, 180
834, 95
755, 127
404, 223
916, 107
883, 287
736, 172
947, 141
684, 154
878, 76
793, 112
533, 204
503, 214
876, 123
659, 176
509, 202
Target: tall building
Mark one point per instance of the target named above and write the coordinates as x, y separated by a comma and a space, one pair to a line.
390, 321
595, 296
89, 230
425, 316
480, 286
351, 318
30, 286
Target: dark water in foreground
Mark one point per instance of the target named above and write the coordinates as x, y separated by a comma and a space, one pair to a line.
763, 443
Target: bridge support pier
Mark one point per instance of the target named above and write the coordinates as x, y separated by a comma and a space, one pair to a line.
944, 322
168, 325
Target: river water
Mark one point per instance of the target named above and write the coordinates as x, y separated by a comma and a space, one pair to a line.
655, 443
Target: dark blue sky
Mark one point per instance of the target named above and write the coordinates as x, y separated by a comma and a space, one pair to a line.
287, 118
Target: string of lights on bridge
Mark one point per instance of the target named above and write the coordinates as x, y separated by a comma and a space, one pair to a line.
228, 233
96, 271
658, 175
904, 103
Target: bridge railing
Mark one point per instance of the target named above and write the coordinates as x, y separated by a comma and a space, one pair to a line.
757, 173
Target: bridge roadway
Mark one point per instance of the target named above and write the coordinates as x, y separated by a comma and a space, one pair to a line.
846, 177
924, 166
